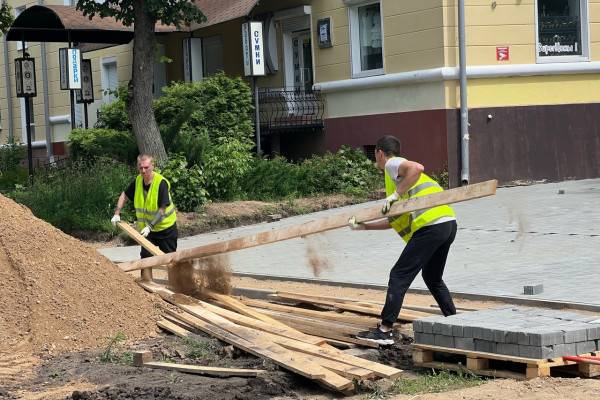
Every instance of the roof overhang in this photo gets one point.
(55, 23)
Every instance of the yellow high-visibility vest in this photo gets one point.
(147, 207)
(407, 224)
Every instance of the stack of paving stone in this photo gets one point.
(514, 331)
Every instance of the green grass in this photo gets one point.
(109, 355)
(435, 382)
(196, 350)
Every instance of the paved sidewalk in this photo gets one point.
(523, 235)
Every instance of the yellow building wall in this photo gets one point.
(413, 37)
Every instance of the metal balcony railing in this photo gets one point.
(290, 109)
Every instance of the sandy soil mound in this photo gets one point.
(58, 294)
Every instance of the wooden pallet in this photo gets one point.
(497, 365)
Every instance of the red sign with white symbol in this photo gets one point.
(502, 54)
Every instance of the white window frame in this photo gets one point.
(357, 71)
(585, 38)
(104, 79)
(18, 11)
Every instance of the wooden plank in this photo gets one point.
(243, 309)
(421, 356)
(173, 328)
(346, 370)
(375, 311)
(480, 354)
(135, 235)
(476, 364)
(194, 306)
(251, 342)
(338, 327)
(330, 334)
(209, 371)
(340, 220)
(358, 320)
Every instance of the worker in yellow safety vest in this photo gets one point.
(154, 208)
(428, 235)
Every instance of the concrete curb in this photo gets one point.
(459, 295)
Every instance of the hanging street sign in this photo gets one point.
(86, 94)
(25, 77)
(70, 68)
(253, 48)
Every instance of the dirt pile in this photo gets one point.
(58, 294)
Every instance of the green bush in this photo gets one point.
(191, 116)
(79, 197)
(114, 115)
(271, 179)
(11, 171)
(99, 142)
(187, 183)
(226, 163)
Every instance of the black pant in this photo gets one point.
(427, 249)
(166, 240)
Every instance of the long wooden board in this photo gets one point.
(200, 370)
(340, 220)
(151, 247)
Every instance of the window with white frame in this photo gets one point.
(19, 10)
(366, 35)
(562, 30)
(109, 78)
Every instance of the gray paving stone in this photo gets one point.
(427, 326)
(586, 347)
(507, 348)
(464, 343)
(457, 330)
(533, 289)
(575, 334)
(535, 352)
(444, 341)
(485, 346)
(546, 337)
(417, 325)
(593, 332)
(565, 349)
(523, 338)
(424, 338)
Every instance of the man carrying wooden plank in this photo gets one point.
(154, 208)
(428, 235)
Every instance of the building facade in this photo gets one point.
(348, 71)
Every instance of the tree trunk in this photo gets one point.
(141, 114)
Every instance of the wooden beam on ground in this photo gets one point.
(358, 320)
(243, 309)
(340, 220)
(194, 306)
(368, 310)
(144, 359)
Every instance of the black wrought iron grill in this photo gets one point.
(290, 109)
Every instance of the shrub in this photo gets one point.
(187, 183)
(99, 142)
(271, 179)
(193, 115)
(114, 115)
(226, 163)
(79, 197)
(11, 171)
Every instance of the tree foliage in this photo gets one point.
(144, 14)
(169, 12)
(6, 17)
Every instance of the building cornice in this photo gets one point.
(451, 73)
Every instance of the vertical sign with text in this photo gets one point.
(70, 68)
(253, 47)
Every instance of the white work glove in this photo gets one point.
(116, 218)
(391, 199)
(355, 226)
(146, 231)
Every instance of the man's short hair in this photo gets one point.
(389, 144)
(148, 157)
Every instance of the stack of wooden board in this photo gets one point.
(266, 337)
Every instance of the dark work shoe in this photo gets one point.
(377, 336)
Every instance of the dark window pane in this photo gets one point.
(370, 40)
(559, 28)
